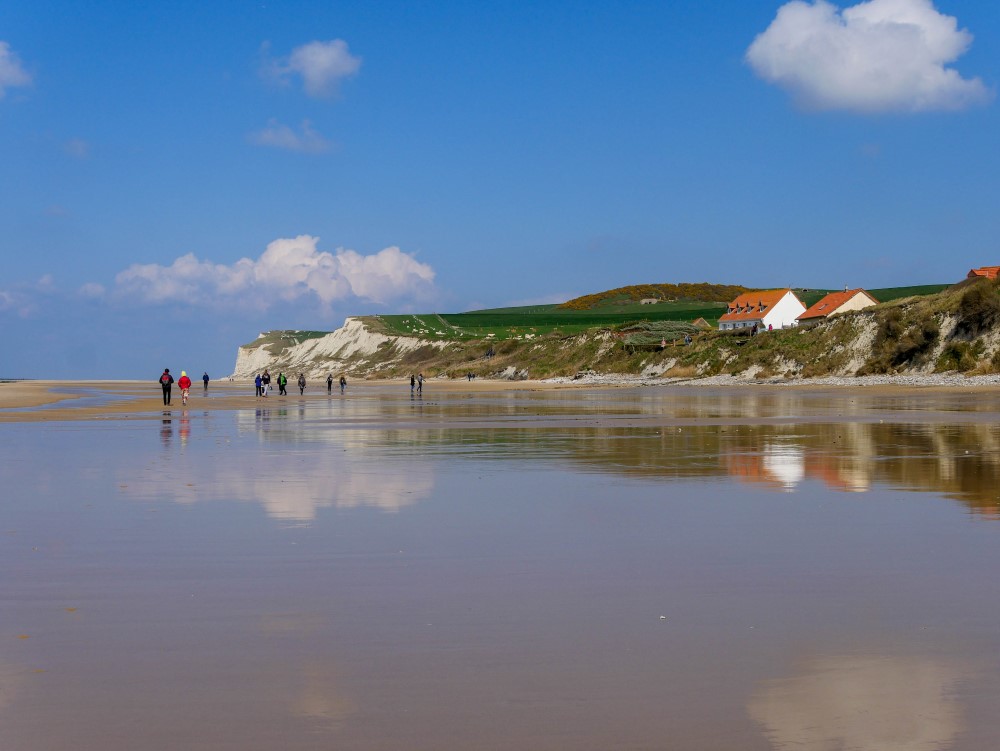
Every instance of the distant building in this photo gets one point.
(986, 272)
(776, 308)
(837, 302)
(701, 323)
(649, 301)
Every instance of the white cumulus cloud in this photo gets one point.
(12, 73)
(876, 56)
(288, 269)
(320, 65)
(281, 136)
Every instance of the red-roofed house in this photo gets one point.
(989, 272)
(775, 308)
(837, 302)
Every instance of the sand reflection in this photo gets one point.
(864, 704)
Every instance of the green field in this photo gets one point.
(537, 320)
(507, 323)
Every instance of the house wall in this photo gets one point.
(736, 325)
(784, 312)
(858, 302)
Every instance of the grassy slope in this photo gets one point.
(902, 343)
(607, 311)
(544, 340)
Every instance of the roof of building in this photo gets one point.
(753, 306)
(829, 304)
(990, 272)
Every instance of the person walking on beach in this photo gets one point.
(204, 379)
(413, 382)
(420, 383)
(166, 381)
(258, 382)
(302, 384)
(282, 382)
(343, 384)
(329, 384)
(265, 381)
(184, 383)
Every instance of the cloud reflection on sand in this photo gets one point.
(299, 495)
(865, 703)
(11, 678)
(314, 691)
(292, 483)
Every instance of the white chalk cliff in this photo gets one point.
(346, 349)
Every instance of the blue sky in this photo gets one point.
(177, 177)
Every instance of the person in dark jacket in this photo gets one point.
(259, 383)
(343, 384)
(302, 384)
(329, 384)
(166, 381)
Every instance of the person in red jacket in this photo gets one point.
(185, 386)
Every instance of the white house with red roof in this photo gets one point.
(837, 302)
(775, 308)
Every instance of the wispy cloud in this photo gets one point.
(77, 147)
(91, 290)
(12, 73)
(23, 299)
(288, 270)
(320, 65)
(876, 56)
(280, 136)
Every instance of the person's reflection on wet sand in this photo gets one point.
(166, 428)
(185, 428)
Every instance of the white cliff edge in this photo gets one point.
(343, 349)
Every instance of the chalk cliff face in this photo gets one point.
(348, 349)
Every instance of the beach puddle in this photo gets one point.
(639, 568)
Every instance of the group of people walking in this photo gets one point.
(329, 384)
(262, 383)
(183, 383)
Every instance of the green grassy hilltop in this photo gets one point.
(619, 307)
(924, 328)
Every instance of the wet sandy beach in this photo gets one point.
(482, 567)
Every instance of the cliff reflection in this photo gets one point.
(863, 703)
(961, 461)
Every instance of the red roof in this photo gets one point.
(753, 306)
(829, 304)
(990, 272)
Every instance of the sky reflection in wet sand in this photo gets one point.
(384, 575)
